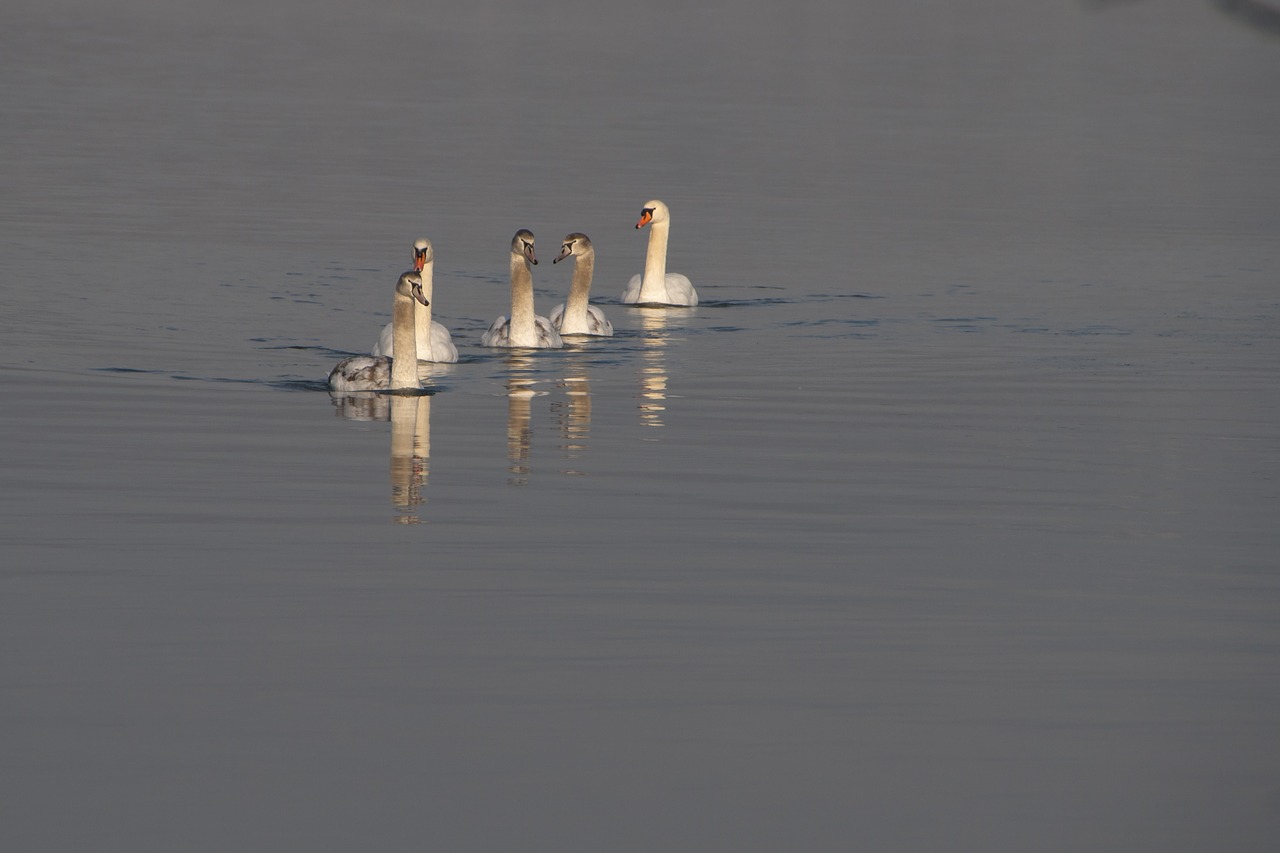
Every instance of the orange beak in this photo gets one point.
(644, 218)
(419, 260)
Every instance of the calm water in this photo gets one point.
(947, 521)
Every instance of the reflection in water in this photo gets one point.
(520, 393)
(361, 405)
(573, 415)
(653, 366)
(410, 455)
(410, 417)
(428, 370)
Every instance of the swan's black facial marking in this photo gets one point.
(415, 284)
(522, 243)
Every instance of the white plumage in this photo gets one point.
(657, 286)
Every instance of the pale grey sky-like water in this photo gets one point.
(947, 520)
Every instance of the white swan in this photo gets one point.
(434, 341)
(377, 372)
(576, 317)
(657, 286)
(525, 328)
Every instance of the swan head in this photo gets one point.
(522, 245)
(410, 284)
(423, 253)
(577, 244)
(653, 211)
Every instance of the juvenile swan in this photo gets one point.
(377, 372)
(434, 342)
(524, 328)
(657, 286)
(576, 317)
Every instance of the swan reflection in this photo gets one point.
(521, 379)
(573, 415)
(375, 406)
(410, 417)
(361, 405)
(655, 336)
(410, 455)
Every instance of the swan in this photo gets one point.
(576, 317)
(378, 372)
(434, 342)
(657, 286)
(525, 328)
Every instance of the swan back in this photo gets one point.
(546, 336)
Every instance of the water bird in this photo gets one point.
(657, 286)
(524, 328)
(576, 316)
(434, 341)
(378, 372)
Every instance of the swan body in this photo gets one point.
(378, 372)
(576, 316)
(434, 341)
(657, 286)
(523, 328)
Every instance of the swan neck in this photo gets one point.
(580, 290)
(523, 331)
(653, 286)
(404, 365)
(422, 313)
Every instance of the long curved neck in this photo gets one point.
(654, 285)
(404, 366)
(575, 307)
(523, 332)
(422, 313)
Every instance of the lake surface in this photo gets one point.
(948, 520)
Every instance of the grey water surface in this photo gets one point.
(949, 520)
